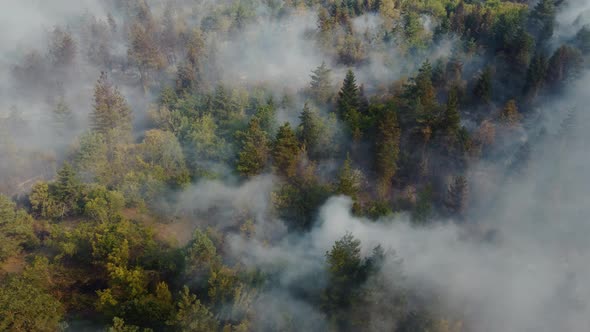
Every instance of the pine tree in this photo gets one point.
(509, 115)
(349, 104)
(423, 97)
(66, 189)
(542, 20)
(457, 196)
(564, 64)
(254, 152)
(387, 150)
(63, 118)
(348, 97)
(349, 179)
(111, 115)
(285, 151)
(483, 86)
(321, 84)
(451, 119)
(310, 130)
(536, 75)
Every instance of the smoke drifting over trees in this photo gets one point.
(175, 165)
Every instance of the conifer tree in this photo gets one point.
(349, 179)
(451, 119)
(387, 150)
(483, 86)
(564, 64)
(254, 153)
(348, 97)
(509, 115)
(63, 118)
(310, 130)
(542, 20)
(536, 75)
(111, 115)
(285, 151)
(349, 103)
(457, 196)
(321, 84)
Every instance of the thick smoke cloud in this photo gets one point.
(521, 264)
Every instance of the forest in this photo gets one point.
(294, 165)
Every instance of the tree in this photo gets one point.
(63, 118)
(345, 268)
(349, 179)
(310, 130)
(16, 229)
(162, 153)
(451, 119)
(201, 256)
(564, 64)
(542, 20)
(66, 189)
(191, 315)
(387, 150)
(321, 84)
(536, 75)
(509, 115)
(348, 97)
(457, 196)
(25, 306)
(111, 116)
(254, 151)
(62, 48)
(285, 152)
(143, 51)
(483, 86)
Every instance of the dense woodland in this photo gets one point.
(98, 232)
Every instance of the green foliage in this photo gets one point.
(111, 115)
(387, 150)
(16, 229)
(191, 315)
(349, 102)
(321, 84)
(285, 151)
(254, 151)
(483, 86)
(27, 306)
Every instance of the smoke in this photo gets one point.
(520, 264)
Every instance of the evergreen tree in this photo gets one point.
(344, 275)
(509, 115)
(536, 75)
(349, 179)
(285, 151)
(565, 64)
(483, 86)
(310, 131)
(63, 118)
(387, 150)
(451, 119)
(424, 89)
(321, 84)
(457, 196)
(111, 115)
(254, 152)
(66, 189)
(542, 20)
(348, 97)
